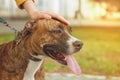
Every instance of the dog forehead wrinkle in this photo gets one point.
(42, 25)
(51, 24)
(48, 25)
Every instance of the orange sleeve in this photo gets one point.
(20, 3)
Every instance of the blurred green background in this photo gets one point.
(99, 55)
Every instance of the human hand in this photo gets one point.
(35, 14)
(47, 15)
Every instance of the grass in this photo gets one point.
(99, 55)
(6, 37)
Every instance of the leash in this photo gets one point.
(17, 33)
(7, 25)
(18, 40)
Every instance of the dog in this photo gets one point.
(23, 58)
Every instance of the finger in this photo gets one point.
(44, 16)
(60, 18)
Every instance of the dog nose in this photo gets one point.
(78, 44)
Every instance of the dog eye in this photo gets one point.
(57, 31)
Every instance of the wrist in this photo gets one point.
(29, 7)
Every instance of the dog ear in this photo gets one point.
(28, 27)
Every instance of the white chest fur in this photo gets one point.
(31, 70)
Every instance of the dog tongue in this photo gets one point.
(73, 65)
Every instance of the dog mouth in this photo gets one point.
(55, 54)
(61, 56)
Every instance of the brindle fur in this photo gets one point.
(36, 33)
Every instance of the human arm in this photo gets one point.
(29, 6)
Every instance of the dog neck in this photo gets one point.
(29, 55)
(24, 44)
(35, 62)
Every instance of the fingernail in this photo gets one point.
(68, 23)
(49, 17)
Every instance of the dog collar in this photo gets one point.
(21, 47)
(33, 58)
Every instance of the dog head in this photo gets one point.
(53, 39)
